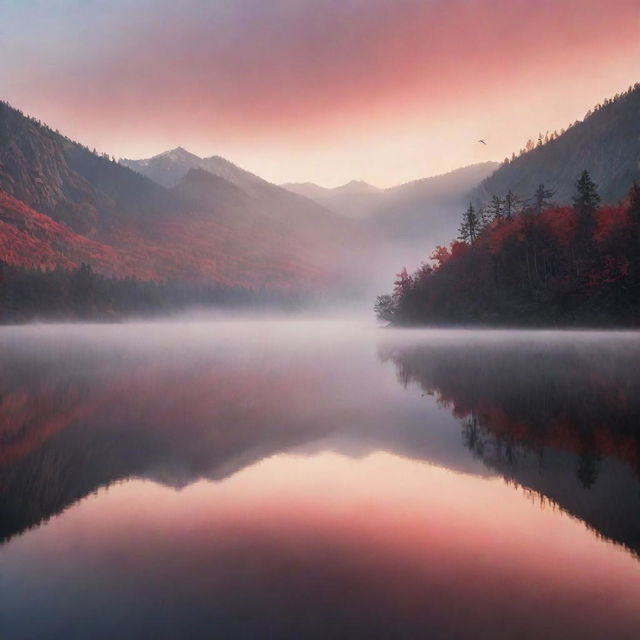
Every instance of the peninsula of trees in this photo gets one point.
(530, 263)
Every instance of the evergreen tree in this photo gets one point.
(470, 225)
(586, 199)
(485, 217)
(542, 198)
(402, 285)
(511, 205)
(535, 269)
(495, 208)
(585, 202)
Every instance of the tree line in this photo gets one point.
(50, 294)
(530, 262)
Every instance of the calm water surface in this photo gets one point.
(295, 479)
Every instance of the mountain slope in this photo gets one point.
(356, 199)
(170, 167)
(425, 208)
(278, 228)
(430, 206)
(295, 210)
(307, 189)
(606, 143)
(31, 238)
(64, 180)
(206, 191)
(68, 205)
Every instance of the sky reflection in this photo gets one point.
(298, 546)
(317, 479)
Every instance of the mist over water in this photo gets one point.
(288, 477)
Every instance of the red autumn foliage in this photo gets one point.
(29, 238)
(440, 256)
(560, 222)
(458, 249)
(194, 248)
(610, 223)
(563, 264)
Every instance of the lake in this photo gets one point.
(318, 479)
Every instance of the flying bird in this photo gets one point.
(483, 141)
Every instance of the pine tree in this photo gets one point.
(495, 208)
(485, 218)
(402, 285)
(511, 205)
(542, 198)
(470, 226)
(585, 202)
(586, 199)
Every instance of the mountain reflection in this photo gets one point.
(557, 416)
(75, 417)
(85, 408)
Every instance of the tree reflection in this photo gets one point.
(560, 417)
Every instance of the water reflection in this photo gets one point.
(84, 407)
(343, 504)
(557, 413)
(383, 547)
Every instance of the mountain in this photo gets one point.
(354, 199)
(30, 237)
(204, 190)
(426, 211)
(408, 220)
(315, 191)
(168, 168)
(61, 204)
(67, 182)
(307, 189)
(606, 143)
(207, 183)
(430, 206)
(425, 208)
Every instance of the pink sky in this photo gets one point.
(319, 90)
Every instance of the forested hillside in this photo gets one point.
(551, 237)
(541, 265)
(62, 205)
(606, 143)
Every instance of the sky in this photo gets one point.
(325, 91)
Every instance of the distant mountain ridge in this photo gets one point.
(312, 190)
(169, 167)
(417, 207)
(353, 199)
(606, 143)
